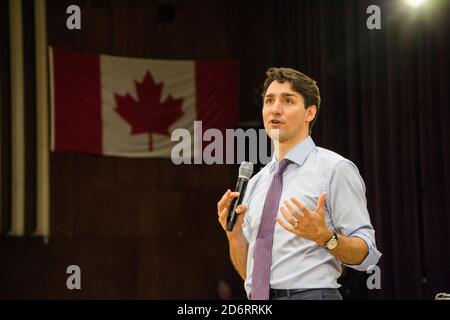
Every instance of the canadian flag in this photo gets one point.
(129, 106)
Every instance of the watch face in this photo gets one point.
(332, 243)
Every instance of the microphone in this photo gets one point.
(245, 172)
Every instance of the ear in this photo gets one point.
(311, 112)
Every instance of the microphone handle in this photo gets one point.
(241, 186)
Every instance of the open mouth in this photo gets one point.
(275, 121)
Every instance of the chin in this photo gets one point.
(276, 135)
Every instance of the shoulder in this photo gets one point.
(327, 156)
(334, 163)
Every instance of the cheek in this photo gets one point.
(295, 117)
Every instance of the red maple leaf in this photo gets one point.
(148, 114)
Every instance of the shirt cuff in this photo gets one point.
(372, 256)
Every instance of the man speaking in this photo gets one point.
(305, 213)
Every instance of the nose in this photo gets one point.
(275, 108)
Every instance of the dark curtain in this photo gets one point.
(124, 220)
(384, 107)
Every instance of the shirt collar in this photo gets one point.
(297, 154)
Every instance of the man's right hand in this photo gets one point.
(223, 207)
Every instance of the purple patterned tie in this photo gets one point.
(262, 255)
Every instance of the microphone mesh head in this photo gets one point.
(246, 170)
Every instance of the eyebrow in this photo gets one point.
(283, 94)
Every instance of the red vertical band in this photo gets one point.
(77, 101)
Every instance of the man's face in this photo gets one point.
(284, 114)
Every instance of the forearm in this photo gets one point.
(350, 250)
(238, 253)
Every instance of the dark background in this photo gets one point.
(147, 229)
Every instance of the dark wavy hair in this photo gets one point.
(300, 83)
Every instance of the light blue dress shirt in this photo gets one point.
(298, 263)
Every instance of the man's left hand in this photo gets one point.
(307, 224)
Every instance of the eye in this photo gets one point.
(268, 100)
(289, 101)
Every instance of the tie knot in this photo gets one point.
(281, 166)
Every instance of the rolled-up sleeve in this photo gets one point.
(347, 206)
(372, 256)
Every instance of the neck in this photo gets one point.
(282, 148)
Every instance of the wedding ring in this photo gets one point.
(295, 224)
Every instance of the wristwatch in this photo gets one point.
(332, 243)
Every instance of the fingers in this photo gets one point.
(321, 202)
(319, 208)
(223, 215)
(293, 217)
(226, 199)
(303, 209)
(286, 214)
(240, 209)
(288, 227)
